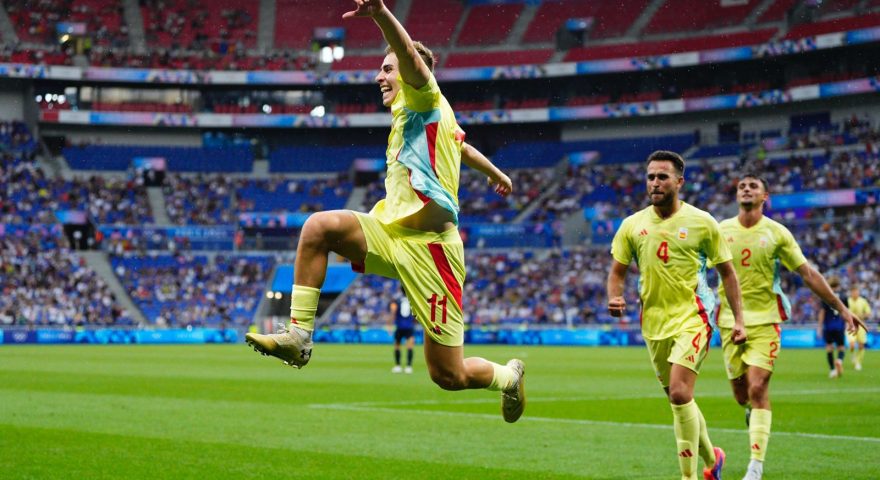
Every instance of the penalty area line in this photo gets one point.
(570, 421)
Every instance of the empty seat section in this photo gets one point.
(320, 159)
(179, 159)
(488, 24)
(611, 19)
(488, 59)
(777, 11)
(661, 47)
(433, 21)
(831, 26)
(682, 15)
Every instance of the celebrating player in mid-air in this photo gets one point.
(759, 246)
(671, 242)
(412, 234)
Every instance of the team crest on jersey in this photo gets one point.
(683, 233)
(763, 242)
(730, 239)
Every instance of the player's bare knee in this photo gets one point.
(319, 228)
(680, 394)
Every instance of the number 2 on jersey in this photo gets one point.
(663, 252)
(747, 254)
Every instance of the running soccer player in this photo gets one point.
(832, 323)
(860, 308)
(759, 246)
(671, 243)
(404, 329)
(410, 235)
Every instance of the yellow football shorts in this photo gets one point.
(760, 350)
(860, 337)
(430, 267)
(688, 348)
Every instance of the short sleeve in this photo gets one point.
(621, 247)
(422, 99)
(716, 249)
(790, 253)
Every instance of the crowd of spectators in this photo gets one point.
(44, 283)
(199, 200)
(184, 290)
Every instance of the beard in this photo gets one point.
(665, 200)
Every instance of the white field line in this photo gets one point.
(571, 421)
(389, 408)
(582, 398)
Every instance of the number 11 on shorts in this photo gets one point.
(437, 303)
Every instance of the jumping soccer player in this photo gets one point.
(671, 243)
(412, 234)
(759, 246)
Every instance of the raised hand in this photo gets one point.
(365, 8)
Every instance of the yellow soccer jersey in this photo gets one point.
(423, 156)
(758, 253)
(859, 307)
(671, 255)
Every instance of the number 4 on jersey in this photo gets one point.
(663, 252)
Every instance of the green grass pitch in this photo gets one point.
(222, 411)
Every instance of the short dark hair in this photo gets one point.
(668, 156)
(757, 176)
(424, 52)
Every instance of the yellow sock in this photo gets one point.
(759, 432)
(503, 377)
(860, 356)
(707, 450)
(304, 306)
(686, 423)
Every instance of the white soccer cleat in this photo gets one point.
(408, 369)
(832, 374)
(858, 367)
(293, 345)
(755, 471)
(513, 399)
(396, 369)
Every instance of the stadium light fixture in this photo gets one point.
(277, 295)
(269, 295)
(318, 111)
(326, 55)
(267, 108)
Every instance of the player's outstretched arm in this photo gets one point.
(616, 279)
(412, 68)
(473, 158)
(734, 298)
(817, 283)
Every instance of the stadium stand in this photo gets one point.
(678, 15)
(45, 284)
(179, 159)
(185, 290)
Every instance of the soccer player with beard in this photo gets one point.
(411, 234)
(672, 243)
(760, 246)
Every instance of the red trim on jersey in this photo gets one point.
(705, 316)
(778, 329)
(424, 198)
(445, 270)
(431, 134)
(781, 308)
